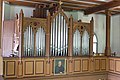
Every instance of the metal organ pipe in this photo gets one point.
(64, 37)
(51, 39)
(28, 41)
(40, 42)
(43, 42)
(59, 36)
(53, 35)
(31, 41)
(56, 33)
(38, 48)
(85, 43)
(79, 40)
(37, 44)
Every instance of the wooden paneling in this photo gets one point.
(85, 65)
(114, 65)
(103, 64)
(34, 67)
(70, 66)
(77, 65)
(4, 68)
(20, 69)
(117, 66)
(97, 65)
(100, 64)
(39, 67)
(29, 68)
(10, 68)
(111, 65)
(45, 67)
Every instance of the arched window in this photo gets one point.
(95, 44)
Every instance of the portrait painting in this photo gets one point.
(59, 66)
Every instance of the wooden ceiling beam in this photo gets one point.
(74, 5)
(94, 1)
(77, 2)
(105, 6)
(44, 1)
(20, 3)
(25, 3)
(72, 8)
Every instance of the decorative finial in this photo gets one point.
(60, 2)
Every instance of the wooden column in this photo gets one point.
(21, 50)
(48, 45)
(70, 46)
(21, 36)
(108, 22)
(91, 36)
(48, 36)
(1, 59)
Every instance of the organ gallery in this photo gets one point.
(53, 44)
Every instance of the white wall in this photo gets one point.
(7, 11)
(115, 34)
(28, 11)
(11, 10)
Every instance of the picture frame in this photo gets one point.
(59, 66)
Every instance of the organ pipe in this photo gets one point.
(40, 42)
(85, 43)
(76, 43)
(28, 42)
(59, 36)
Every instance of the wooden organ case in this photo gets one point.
(42, 41)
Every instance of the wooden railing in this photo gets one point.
(29, 67)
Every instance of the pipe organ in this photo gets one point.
(69, 41)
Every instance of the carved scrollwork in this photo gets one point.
(35, 23)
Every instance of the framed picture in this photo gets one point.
(59, 66)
